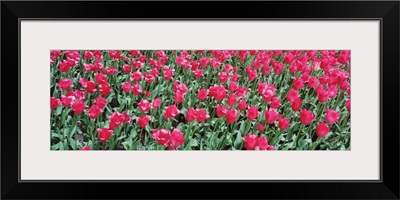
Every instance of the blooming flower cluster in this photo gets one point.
(200, 99)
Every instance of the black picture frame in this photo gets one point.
(385, 11)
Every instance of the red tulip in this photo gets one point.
(168, 73)
(262, 143)
(296, 104)
(348, 104)
(305, 77)
(332, 91)
(231, 100)
(332, 116)
(83, 82)
(126, 86)
(54, 103)
(116, 119)
(64, 66)
(104, 89)
(275, 102)
(78, 107)
(250, 142)
(143, 120)
(252, 112)
(288, 58)
(156, 103)
(260, 127)
(266, 70)
(162, 136)
(137, 89)
(147, 94)
(104, 134)
(235, 77)
(179, 97)
(223, 77)
(241, 91)
(86, 148)
(67, 100)
(292, 95)
(324, 79)
(283, 123)
(65, 84)
(79, 95)
(91, 87)
(201, 115)
(270, 148)
(312, 82)
(242, 105)
(126, 68)
(136, 76)
(155, 72)
(176, 138)
(306, 116)
(94, 111)
(144, 105)
(137, 64)
(271, 115)
(203, 61)
(198, 73)
(344, 85)
(179, 87)
(191, 114)
(322, 129)
(228, 68)
(195, 64)
(170, 111)
(231, 115)
(111, 70)
(233, 86)
(221, 110)
(278, 68)
(219, 93)
(298, 83)
(125, 117)
(100, 78)
(202, 94)
(323, 95)
(215, 63)
(100, 102)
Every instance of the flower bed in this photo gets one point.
(200, 100)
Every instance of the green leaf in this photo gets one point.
(238, 141)
(56, 146)
(73, 144)
(58, 110)
(133, 133)
(127, 144)
(303, 143)
(194, 143)
(156, 91)
(54, 134)
(73, 130)
(120, 138)
(242, 128)
(61, 146)
(55, 93)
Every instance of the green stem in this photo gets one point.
(345, 120)
(298, 135)
(316, 143)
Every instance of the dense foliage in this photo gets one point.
(200, 100)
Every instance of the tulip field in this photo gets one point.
(200, 100)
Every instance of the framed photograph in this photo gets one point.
(288, 96)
